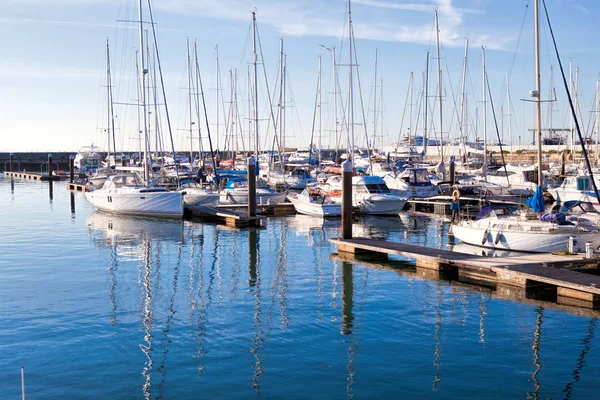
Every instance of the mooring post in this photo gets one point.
(347, 199)
(452, 171)
(22, 383)
(251, 187)
(71, 169)
(50, 164)
(562, 163)
(10, 163)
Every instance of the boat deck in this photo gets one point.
(232, 218)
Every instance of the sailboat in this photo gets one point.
(501, 227)
(128, 193)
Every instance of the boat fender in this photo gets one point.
(498, 238)
(485, 237)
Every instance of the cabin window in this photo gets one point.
(377, 188)
(421, 176)
(583, 184)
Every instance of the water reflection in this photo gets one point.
(51, 191)
(72, 198)
(536, 354)
(587, 345)
(12, 186)
(347, 298)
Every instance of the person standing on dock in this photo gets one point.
(455, 204)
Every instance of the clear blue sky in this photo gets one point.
(52, 68)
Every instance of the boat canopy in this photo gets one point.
(536, 202)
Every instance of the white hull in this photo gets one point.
(380, 205)
(241, 197)
(156, 204)
(540, 242)
(319, 210)
(199, 198)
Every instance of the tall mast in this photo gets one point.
(572, 129)
(143, 72)
(110, 113)
(426, 105)
(597, 119)
(254, 62)
(351, 94)
(320, 115)
(538, 105)
(381, 113)
(410, 110)
(196, 68)
(282, 128)
(375, 99)
(281, 104)
(217, 94)
(484, 105)
(508, 114)
(437, 41)
(189, 68)
(463, 108)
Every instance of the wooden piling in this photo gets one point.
(50, 164)
(347, 199)
(10, 162)
(251, 187)
(71, 169)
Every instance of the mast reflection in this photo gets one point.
(536, 353)
(254, 285)
(587, 345)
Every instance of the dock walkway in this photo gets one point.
(532, 272)
(231, 218)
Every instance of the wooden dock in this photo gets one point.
(278, 209)
(77, 187)
(533, 272)
(231, 218)
(33, 176)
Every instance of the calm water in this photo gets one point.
(102, 307)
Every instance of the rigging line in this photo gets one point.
(455, 110)
(262, 58)
(487, 81)
(562, 71)
(402, 122)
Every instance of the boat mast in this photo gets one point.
(351, 94)
(426, 106)
(508, 101)
(597, 119)
(320, 115)
(254, 62)
(197, 75)
(463, 105)
(437, 41)
(375, 100)
(111, 115)
(143, 72)
(484, 166)
(189, 68)
(217, 94)
(281, 105)
(410, 110)
(538, 105)
(381, 114)
(572, 129)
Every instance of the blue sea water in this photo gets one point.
(101, 307)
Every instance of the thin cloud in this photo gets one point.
(581, 8)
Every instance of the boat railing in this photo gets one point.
(45, 163)
(14, 161)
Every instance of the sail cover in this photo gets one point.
(536, 202)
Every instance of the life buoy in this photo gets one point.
(455, 194)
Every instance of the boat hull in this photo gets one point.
(154, 204)
(319, 210)
(525, 241)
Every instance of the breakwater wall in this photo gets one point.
(35, 162)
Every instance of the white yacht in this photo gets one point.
(519, 180)
(87, 160)
(500, 227)
(370, 195)
(236, 192)
(412, 183)
(315, 201)
(126, 193)
(576, 188)
(194, 195)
